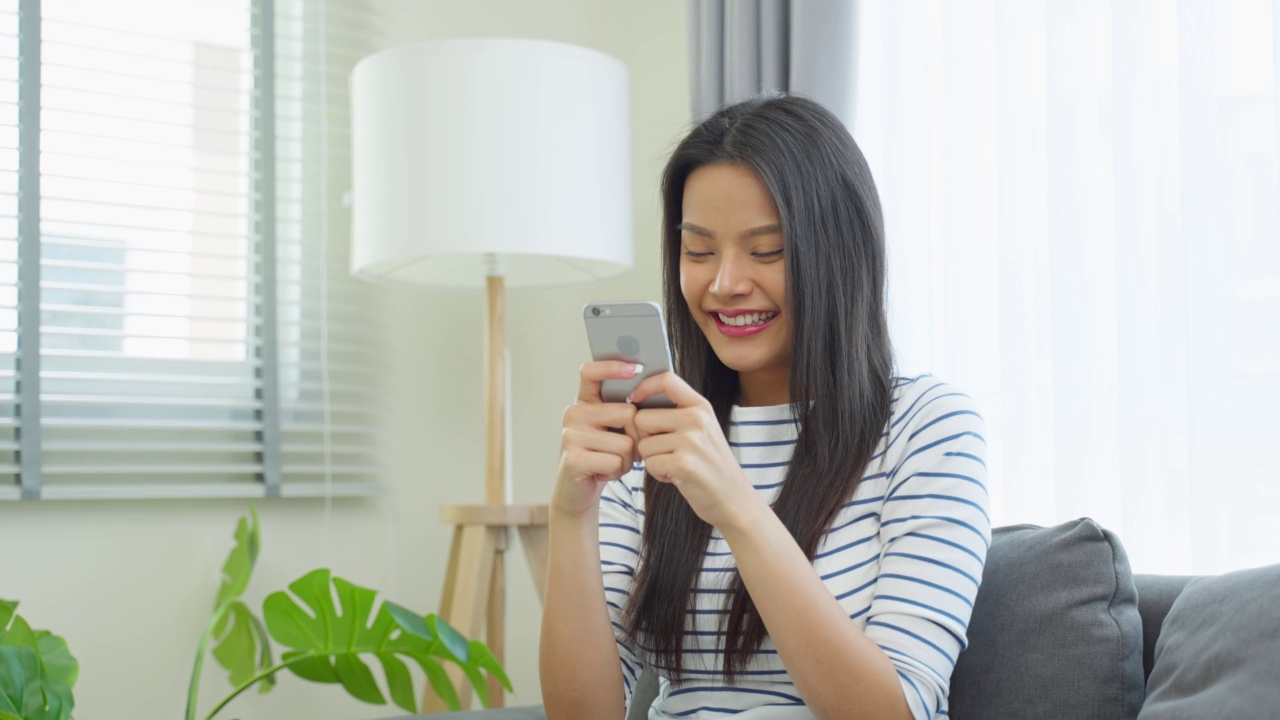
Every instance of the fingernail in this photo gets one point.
(629, 396)
(636, 369)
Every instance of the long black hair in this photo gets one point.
(842, 360)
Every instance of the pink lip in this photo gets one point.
(735, 331)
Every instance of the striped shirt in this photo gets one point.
(903, 558)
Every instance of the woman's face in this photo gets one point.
(733, 275)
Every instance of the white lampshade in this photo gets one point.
(480, 154)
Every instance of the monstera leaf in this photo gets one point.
(328, 640)
(37, 671)
(240, 643)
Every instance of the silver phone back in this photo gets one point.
(631, 332)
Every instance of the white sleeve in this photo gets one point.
(935, 529)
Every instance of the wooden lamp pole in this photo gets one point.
(475, 589)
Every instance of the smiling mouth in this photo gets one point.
(746, 319)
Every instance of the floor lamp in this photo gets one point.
(490, 163)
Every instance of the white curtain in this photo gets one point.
(1083, 217)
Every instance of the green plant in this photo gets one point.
(328, 642)
(37, 670)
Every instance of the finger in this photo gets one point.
(598, 441)
(673, 386)
(591, 374)
(655, 445)
(663, 420)
(603, 466)
(601, 416)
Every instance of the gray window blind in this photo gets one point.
(198, 335)
(8, 248)
(326, 398)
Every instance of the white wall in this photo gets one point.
(129, 584)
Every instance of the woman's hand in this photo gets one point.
(686, 447)
(592, 451)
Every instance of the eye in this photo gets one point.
(694, 255)
(767, 255)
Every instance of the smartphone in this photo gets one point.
(631, 332)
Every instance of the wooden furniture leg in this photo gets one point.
(474, 598)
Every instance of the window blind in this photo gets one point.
(8, 249)
(331, 328)
(197, 332)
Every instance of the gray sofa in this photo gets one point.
(1062, 629)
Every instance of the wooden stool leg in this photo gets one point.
(471, 565)
(495, 630)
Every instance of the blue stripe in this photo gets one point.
(854, 521)
(953, 476)
(759, 466)
(941, 496)
(908, 633)
(939, 563)
(628, 548)
(616, 501)
(923, 705)
(858, 589)
(967, 456)
(621, 527)
(908, 412)
(959, 640)
(771, 443)
(620, 591)
(770, 486)
(628, 568)
(739, 423)
(916, 663)
(864, 501)
(926, 583)
(851, 568)
(937, 539)
(731, 711)
(943, 518)
(939, 419)
(935, 443)
(855, 543)
(735, 690)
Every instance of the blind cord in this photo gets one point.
(323, 46)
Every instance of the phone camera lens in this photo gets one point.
(595, 311)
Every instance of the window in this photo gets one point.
(176, 317)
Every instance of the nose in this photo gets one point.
(733, 277)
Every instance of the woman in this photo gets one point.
(807, 532)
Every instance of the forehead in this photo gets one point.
(725, 192)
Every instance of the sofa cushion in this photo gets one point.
(1055, 631)
(1219, 649)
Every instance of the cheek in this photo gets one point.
(688, 286)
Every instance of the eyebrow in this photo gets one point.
(773, 229)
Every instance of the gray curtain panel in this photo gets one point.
(739, 48)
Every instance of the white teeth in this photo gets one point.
(747, 319)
